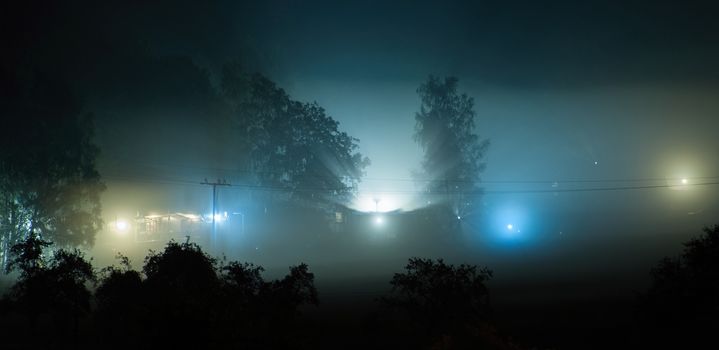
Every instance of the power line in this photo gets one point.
(150, 180)
(553, 181)
(214, 185)
(420, 192)
(617, 188)
(156, 165)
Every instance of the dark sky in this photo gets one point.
(609, 93)
(562, 44)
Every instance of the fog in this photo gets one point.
(595, 113)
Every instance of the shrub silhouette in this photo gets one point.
(681, 307)
(50, 294)
(187, 298)
(440, 299)
(121, 312)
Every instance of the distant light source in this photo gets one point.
(378, 220)
(377, 204)
(121, 225)
(511, 223)
(459, 217)
(218, 217)
(685, 181)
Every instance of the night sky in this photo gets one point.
(595, 111)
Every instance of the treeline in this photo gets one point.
(182, 297)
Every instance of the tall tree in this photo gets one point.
(49, 186)
(293, 146)
(453, 152)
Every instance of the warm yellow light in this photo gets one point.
(121, 225)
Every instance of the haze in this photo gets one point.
(601, 118)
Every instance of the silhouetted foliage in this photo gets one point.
(681, 308)
(120, 312)
(210, 304)
(26, 256)
(453, 153)
(440, 298)
(242, 280)
(293, 146)
(242, 284)
(434, 305)
(276, 309)
(54, 290)
(285, 296)
(49, 185)
(185, 298)
(180, 290)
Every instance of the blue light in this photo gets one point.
(508, 223)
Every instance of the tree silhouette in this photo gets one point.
(276, 310)
(440, 298)
(681, 308)
(242, 280)
(285, 296)
(54, 288)
(121, 313)
(183, 297)
(293, 146)
(186, 292)
(49, 185)
(180, 291)
(242, 284)
(27, 256)
(445, 129)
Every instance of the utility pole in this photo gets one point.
(223, 182)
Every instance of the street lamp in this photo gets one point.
(121, 226)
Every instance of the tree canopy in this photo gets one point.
(53, 288)
(224, 302)
(440, 297)
(453, 152)
(49, 185)
(293, 146)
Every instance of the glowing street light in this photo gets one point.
(378, 220)
(218, 217)
(685, 181)
(510, 227)
(121, 225)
